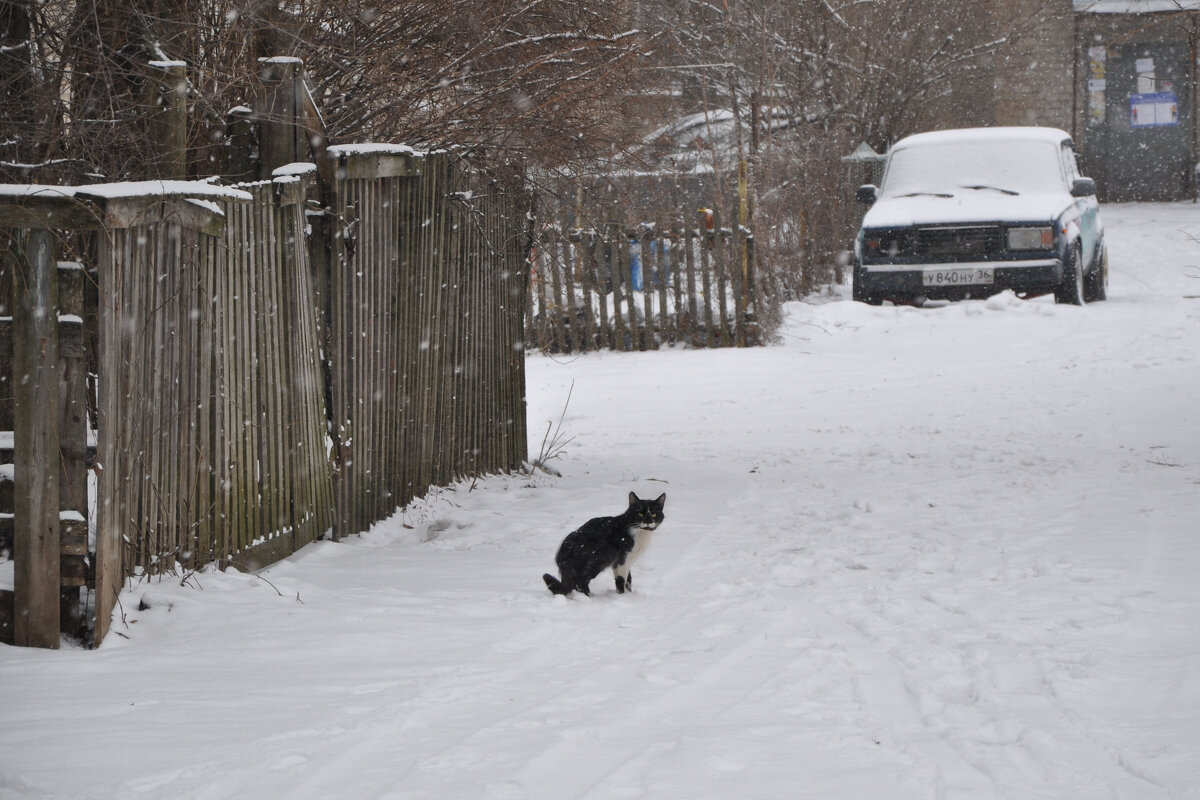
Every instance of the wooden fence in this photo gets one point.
(641, 288)
(258, 387)
(426, 360)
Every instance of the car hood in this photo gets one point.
(966, 205)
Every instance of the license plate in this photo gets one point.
(959, 277)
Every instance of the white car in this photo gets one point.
(969, 213)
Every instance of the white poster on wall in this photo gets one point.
(1154, 110)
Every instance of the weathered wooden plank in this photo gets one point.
(441, 474)
(73, 428)
(111, 510)
(577, 315)
(466, 240)
(721, 268)
(6, 616)
(595, 326)
(408, 341)
(679, 245)
(48, 208)
(282, 139)
(36, 440)
(365, 165)
(156, 543)
(74, 534)
(649, 263)
(662, 276)
(404, 343)
(274, 478)
(691, 245)
(342, 365)
(205, 322)
(166, 92)
(143, 210)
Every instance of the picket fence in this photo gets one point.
(640, 288)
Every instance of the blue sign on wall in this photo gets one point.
(1153, 110)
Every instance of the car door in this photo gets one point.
(1088, 208)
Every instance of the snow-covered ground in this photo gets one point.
(934, 553)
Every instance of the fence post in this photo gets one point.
(167, 102)
(752, 327)
(36, 440)
(281, 139)
(241, 155)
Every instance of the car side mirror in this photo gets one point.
(1083, 187)
(867, 194)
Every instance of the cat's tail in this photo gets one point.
(555, 585)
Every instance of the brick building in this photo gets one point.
(1119, 75)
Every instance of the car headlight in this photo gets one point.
(1030, 238)
(887, 244)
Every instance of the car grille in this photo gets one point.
(960, 243)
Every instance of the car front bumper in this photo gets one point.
(887, 281)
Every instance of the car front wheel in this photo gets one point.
(1096, 282)
(1070, 291)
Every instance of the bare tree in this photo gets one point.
(802, 82)
(536, 78)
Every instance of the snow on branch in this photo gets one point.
(568, 37)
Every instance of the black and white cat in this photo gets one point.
(606, 543)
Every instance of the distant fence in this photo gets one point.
(257, 387)
(641, 288)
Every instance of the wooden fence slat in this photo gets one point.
(36, 441)
(663, 269)
(649, 270)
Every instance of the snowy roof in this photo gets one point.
(1134, 6)
(864, 152)
(1015, 133)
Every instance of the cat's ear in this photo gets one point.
(633, 498)
(661, 501)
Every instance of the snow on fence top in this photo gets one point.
(294, 169)
(1134, 6)
(339, 150)
(161, 189)
(122, 191)
(38, 206)
(26, 190)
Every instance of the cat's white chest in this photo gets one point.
(641, 540)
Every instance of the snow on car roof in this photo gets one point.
(1015, 133)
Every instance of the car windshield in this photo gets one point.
(948, 168)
